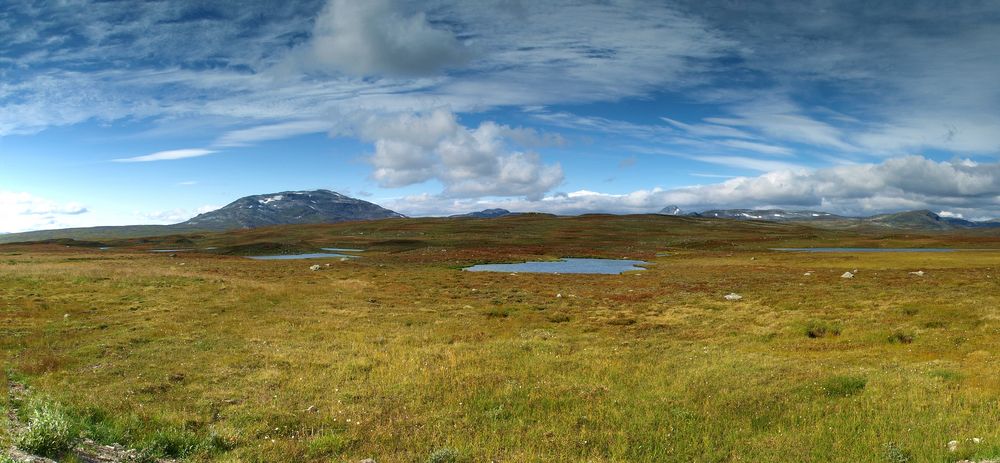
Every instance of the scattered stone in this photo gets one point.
(753, 258)
(312, 409)
(918, 273)
(952, 446)
(315, 268)
(848, 275)
(326, 265)
(976, 440)
(733, 297)
(559, 295)
(807, 274)
(22, 457)
(367, 460)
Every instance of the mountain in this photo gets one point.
(670, 210)
(922, 220)
(485, 214)
(908, 220)
(773, 215)
(287, 208)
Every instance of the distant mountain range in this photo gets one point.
(324, 206)
(284, 208)
(485, 214)
(909, 220)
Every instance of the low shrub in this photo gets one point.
(49, 431)
(558, 318)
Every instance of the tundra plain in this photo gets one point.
(400, 356)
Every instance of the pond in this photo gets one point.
(865, 249)
(566, 265)
(317, 255)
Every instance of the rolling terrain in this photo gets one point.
(399, 355)
(284, 208)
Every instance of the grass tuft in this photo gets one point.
(822, 328)
(901, 337)
(895, 454)
(443, 455)
(498, 313)
(843, 386)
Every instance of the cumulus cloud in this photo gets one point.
(911, 182)
(20, 211)
(414, 148)
(376, 37)
(171, 216)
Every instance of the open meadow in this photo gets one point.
(400, 356)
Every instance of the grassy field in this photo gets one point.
(402, 357)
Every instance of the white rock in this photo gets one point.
(559, 295)
(315, 267)
(847, 275)
(918, 273)
(953, 446)
(807, 274)
(733, 297)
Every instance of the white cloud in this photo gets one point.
(21, 211)
(376, 37)
(911, 182)
(412, 149)
(783, 120)
(171, 216)
(245, 137)
(169, 155)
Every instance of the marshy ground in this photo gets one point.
(401, 356)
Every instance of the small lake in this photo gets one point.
(318, 255)
(865, 249)
(567, 265)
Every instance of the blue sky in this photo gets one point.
(117, 112)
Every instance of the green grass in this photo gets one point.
(399, 355)
(48, 431)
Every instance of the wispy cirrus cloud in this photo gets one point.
(169, 155)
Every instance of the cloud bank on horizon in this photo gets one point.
(563, 106)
